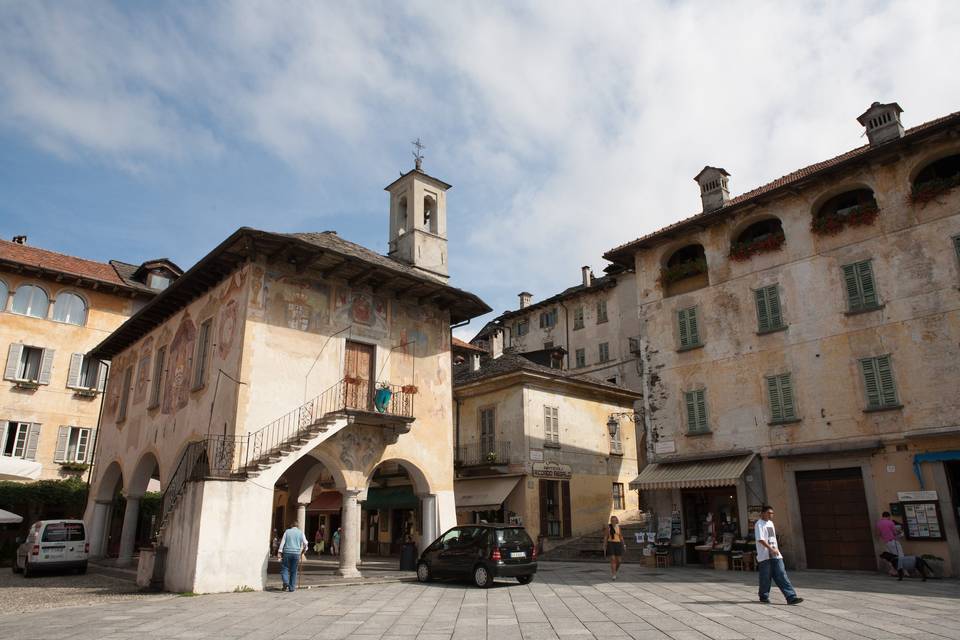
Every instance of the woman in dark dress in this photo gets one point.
(613, 546)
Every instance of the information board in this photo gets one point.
(922, 521)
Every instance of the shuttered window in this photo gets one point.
(28, 364)
(616, 443)
(769, 316)
(157, 379)
(860, 285)
(488, 431)
(551, 426)
(696, 411)
(689, 328)
(74, 444)
(618, 502)
(601, 311)
(548, 319)
(125, 394)
(783, 407)
(85, 373)
(13, 439)
(578, 318)
(523, 327)
(581, 358)
(604, 351)
(878, 383)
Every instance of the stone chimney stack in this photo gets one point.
(882, 122)
(496, 344)
(587, 276)
(525, 299)
(713, 188)
(474, 362)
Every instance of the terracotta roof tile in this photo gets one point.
(13, 252)
(790, 178)
(460, 344)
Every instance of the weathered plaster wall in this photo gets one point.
(508, 404)
(54, 405)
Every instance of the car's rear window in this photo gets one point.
(513, 536)
(63, 532)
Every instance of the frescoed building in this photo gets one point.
(53, 309)
(286, 377)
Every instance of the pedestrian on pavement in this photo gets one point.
(613, 546)
(888, 534)
(318, 540)
(336, 541)
(770, 560)
(292, 545)
(274, 543)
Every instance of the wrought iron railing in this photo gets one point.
(481, 453)
(227, 456)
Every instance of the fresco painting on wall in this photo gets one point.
(298, 304)
(143, 372)
(177, 386)
(228, 329)
(364, 311)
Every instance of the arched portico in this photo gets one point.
(110, 485)
(400, 506)
(147, 469)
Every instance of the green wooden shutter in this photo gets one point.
(870, 382)
(696, 411)
(692, 326)
(776, 400)
(684, 332)
(691, 411)
(763, 314)
(773, 307)
(867, 288)
(888, 391)
(701, 411)
(854, 299)
(786, 396)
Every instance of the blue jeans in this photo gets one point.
(288, 570)
(773, 568)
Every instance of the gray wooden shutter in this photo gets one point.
(776, 400)
(32, 440)
(3, 432)
(63, 436)
(90, 446)
(46, 366)
(701, 410)
(73, 375)
(83, 443)
(870, 382)
(854, 299)
(888, 391)
(101, 376)
(867, 288)
(773, 307)
(763, 314)
(13, 361)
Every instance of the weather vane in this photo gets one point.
(418, 154)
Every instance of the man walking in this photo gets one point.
(292, 545)
(770, 560)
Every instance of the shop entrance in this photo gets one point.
(836, 522)
(710, 520)
(555, 508)
(952, 470)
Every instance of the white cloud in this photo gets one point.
(572, 127)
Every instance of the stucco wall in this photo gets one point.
(54, 405)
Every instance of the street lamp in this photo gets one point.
(613, 422)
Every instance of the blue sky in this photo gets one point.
(142, 129)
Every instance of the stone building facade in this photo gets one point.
(284, 375)
(53, 309)
(801, 346)
(542, 447)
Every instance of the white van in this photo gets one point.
(53, 544)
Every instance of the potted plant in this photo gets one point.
(409, 389)
(683, 270)
(381, 400)
(491, 457)
(929, 190)
(742, 251)
(861, 215)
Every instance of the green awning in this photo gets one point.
(390, 498)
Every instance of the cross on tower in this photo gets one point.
(418, 154)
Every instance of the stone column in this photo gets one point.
(428, 509)
(350, 537)
(98, 527)
(128, 535)
(302, 516)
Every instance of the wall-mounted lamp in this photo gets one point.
(613, 422)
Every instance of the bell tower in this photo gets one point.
(418, 220)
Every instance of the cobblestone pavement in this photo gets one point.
(566, 601)
(20, 595)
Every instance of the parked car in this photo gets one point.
(53, 544)
(480, 552)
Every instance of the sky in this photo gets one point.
(134, 130)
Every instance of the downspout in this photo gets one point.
(456, 423)
(566, 327)
(96, 444)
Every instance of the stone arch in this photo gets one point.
(112, 478)
(926, 160)
(305, 492)
(421, 485)
(142, 473)
(838, 190)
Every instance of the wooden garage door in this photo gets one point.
(836, 524)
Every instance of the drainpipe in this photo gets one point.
(96, 444)
(566, 327)
(456, 424)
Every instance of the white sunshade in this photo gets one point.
(19, 469)
(483, 493)
(9, 518)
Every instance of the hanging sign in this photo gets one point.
(909, 496)
(551, 470)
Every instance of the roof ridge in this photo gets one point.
(30, 247)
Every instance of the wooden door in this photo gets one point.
(358, 372)
(836, 523)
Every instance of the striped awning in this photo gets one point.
(715, 472)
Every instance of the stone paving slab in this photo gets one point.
(567, 601)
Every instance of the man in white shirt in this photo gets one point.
(770, 560)
(292, 545)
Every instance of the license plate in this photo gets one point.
(518, 554)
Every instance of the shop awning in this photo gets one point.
(19, 469)
(716, 472)
(483, 493)
(326, 501)
(391, 498)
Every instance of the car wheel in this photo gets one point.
(26, 569)
(16, 567)
(482, 577)
(423, 572)
(82, 569)
(525, 579)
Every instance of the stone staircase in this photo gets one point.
(589, 547)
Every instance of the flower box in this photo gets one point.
(862, 215)
(28, 385)
(929, 190)
(682, 271)
(743, 251)
(409, 388)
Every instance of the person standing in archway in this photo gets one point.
(292, 545)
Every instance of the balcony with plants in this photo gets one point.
(936, 179)
(765, 236)
(685, 270)
(855, 208)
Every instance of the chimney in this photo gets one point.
(713, 188)
(587, 276)
(496, 344)
(525, 299)
(474, 362)
(20, 239)
(882, 122)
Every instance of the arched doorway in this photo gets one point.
(141, 508)
(393, 512)
(109, 506)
